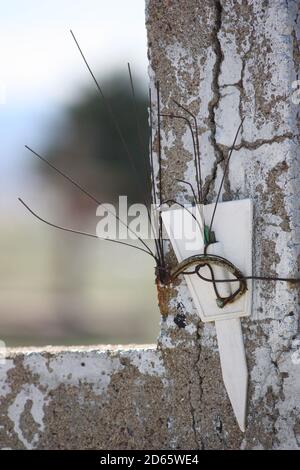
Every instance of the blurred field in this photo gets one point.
(56, 288)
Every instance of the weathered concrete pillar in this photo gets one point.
(228, 60)
(224, 60)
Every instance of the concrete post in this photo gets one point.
(224, 60)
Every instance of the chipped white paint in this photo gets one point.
(177, 54)
(70, 368)
(249, 163)
(32, 395)
(2, 352)
(295, 355)
(148, 362)
(4, 369)
(288, 405)
(228, 105)
(231, 67)
(205, 90)
(191, 328)
(277, 30)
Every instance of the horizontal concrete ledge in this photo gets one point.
(12, 352)
(81, 397)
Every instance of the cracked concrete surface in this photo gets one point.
(225, 60)
(238, 60)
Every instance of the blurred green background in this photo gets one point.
(55, 287)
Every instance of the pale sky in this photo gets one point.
(41, 69)
(37, 53)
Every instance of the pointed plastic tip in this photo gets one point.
(240, 413)
(234, 366)
(242, 425)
